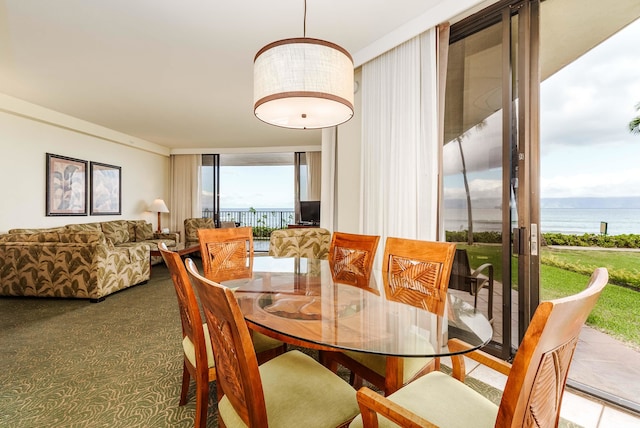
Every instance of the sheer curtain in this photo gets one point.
(314, 175)
(400, 143)
(186, 188)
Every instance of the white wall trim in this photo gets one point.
(237, 150)
(441, 12)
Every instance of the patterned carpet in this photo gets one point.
(118, 363)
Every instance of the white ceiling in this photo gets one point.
(175, 73)
(179, 73)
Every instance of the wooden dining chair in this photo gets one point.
(416, 273)
(291, 390)
(227, 253)
(535, 384)
(198, 361)
(351, 258)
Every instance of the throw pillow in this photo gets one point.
(116, 231)
(144, 231)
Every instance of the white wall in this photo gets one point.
(24, 142)
(348, 166)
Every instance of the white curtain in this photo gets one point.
(327, 200)
(400, 141)
(314, 175)
(185, 190)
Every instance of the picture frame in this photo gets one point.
(106, 189)
(66, 186)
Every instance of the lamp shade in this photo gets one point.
(303, 83)
(159, 206)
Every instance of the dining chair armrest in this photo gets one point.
(457, 345)
(482, 268)
(371, 403)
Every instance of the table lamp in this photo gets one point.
(160, 207)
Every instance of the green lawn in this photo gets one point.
(564, 272)
(617, 312)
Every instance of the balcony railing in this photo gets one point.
(263, 222)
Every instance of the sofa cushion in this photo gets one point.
(135, 251)
(116, 231)
(85, 227)
(51, 229)
(83, 238)
(144, 231)
(31, 237)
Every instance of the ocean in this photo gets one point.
(577, 221)
(572, 221)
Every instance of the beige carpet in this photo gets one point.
(118, 363)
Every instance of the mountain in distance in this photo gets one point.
(592, 202)
(629, 202)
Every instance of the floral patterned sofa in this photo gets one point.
(311, 242)
(86, 261)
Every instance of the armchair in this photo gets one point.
(191, 226)
(311, 242)
(465, 279)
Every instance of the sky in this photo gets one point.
(253, 186)
(586, 148)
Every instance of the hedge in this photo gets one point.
(586, 240)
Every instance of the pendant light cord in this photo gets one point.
(304, 25)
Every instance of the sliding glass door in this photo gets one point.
(489, 176)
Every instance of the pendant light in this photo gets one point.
(303, 83)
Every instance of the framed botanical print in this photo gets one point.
(66, 181)
(106, 194)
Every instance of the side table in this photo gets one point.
(180, 249)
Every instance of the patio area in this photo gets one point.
(601, 365)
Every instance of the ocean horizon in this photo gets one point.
(568, 216)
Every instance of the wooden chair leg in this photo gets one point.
(185, 384)
(356, 381)
(202, 403)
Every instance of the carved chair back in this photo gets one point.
(224, 252)
(351, 258)
(417, 272)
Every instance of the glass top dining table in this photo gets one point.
(297, 301)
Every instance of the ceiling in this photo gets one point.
(178, 74)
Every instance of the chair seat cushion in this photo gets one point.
(264, 343)
(299, 392)
(189, 349)
(442, 400)
(378, 363)
(260, 342)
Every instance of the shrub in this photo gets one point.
(262, 231)
(593, 240)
